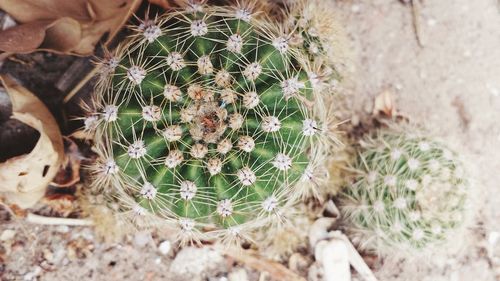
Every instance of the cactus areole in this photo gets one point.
(205, 118)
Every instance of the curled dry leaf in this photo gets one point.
(24, 178)
(385, 104)
(62, 26)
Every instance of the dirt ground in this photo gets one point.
(450, 85)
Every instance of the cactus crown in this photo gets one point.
(205, 119)
(411, 192)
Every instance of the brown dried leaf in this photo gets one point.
(169, 4)
(63, 26)
(24, 178)
(165, 4)
(69, 172)
(385, 104)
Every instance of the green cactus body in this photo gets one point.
(206, 119)
(411, 193)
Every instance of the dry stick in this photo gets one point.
(276, 270)
(32, 218)
(415, 7)
(72, 74)
(80, 84)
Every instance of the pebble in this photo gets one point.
(239, 274)
(431, 22)
(33, 274)
(7, 234)
(165, 247)
(62, 229)
(141, 239)
(355, 120)
(191, 263)
(494, 91)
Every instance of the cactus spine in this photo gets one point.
(207, 119)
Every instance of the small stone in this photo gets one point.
(239, 274)
(48, 255)
(165, 247)
(431, 22)
(355, 8)
(7, 234)
(62, 229)
(191, 263)
(141, 239)
(32, 275)
(355, 120)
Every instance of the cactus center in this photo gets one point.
(209, 122)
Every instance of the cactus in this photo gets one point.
(315, 30)
(206, 119)
(410, 194)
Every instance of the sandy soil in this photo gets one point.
(451, 85)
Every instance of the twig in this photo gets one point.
(81, 84)
(72, 74)
(276, 270)
(32, 218)
(415, 7)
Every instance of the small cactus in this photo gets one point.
(410, 193)
(207, 119)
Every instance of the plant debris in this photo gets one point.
(69, 27)
(25, 178)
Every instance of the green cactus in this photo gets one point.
(315, 30)
(410, 193)
(207, 119)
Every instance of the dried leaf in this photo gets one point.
(62, 26)
(169, 4)
(165, 4)
(69, 172)
(24, 178)
(385, 104)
